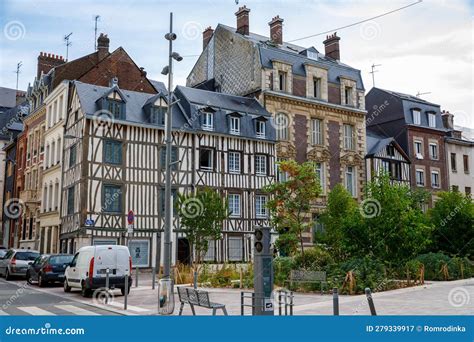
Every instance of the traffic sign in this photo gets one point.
(89, 222)
(130, 217)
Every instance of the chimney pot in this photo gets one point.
(206, 36)
(331, 46)
(243, 20)
(276, 30)
(46, 62)
(103, 46)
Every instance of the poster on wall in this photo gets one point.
(139, 251)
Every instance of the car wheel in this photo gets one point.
(123, 291)
(29, 278)
(67, 288)
(85, 292)
(7, 275)
(41, 282)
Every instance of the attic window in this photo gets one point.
(260, 128)
(158, 115)
(115, 108)
(312, 55)
(416, 116)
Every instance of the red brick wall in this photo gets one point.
(299, 86)
(334, 93)
(301, 141)
(427, 162)
(120, 65)
(334, 149)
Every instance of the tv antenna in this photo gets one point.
(418, 94)
(96, 19)
(68, 43)
(373, 72)
(17, 72)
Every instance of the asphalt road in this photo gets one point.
(17, 297)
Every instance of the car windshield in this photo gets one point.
(26, 256)
(3, 252)
(61, 259)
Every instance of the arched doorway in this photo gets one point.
(184, 251)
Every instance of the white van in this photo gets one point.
(88, 269)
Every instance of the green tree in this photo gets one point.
(388, 225)
(453, 219)
(201, 216)
(291, 202)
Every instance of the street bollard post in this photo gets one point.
(291, 303)
(153, 276)
(370, 300)
(107, 272)
(125, 302)
(136, 276)
(279, 303)
(335, 301)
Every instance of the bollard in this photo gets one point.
(241, 303)
(195, 279)
(279, 302)
(153, 276)
(136, 276)
(291, 303)
(107, 272)
(335, 301)
(286, 303)
(125, 303)
(368, 293)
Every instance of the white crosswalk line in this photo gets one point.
(76, 310)
(3, 313)
(34, 310)
(129, 307)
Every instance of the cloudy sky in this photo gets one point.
(426, 48)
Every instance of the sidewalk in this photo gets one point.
(433, 298)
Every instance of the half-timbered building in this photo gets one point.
(384, 155)
(114, 164)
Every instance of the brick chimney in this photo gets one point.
(102, 46)
(206, 36)
(243, 20)
(276, 30)
(47, 61)
(448, 120)
(331, 46)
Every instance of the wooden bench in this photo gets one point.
(303, 276)
(200, 298)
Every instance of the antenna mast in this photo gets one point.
(96, 19)
(17, 72)
(418, 94)
(373, 72)
(68, 43)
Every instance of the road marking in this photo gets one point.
(33, 310)
(129, 307)
(3, 313)
(76, 310)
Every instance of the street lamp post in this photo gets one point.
(165, 287)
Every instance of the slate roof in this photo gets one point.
(376, 143)
(11, 121)
(7, 97)
(191, 101)
(297, 56)
(401, 106)
(159, 86)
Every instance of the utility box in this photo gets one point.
(263, 272)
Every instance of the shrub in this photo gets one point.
(282, 267)
(434, 263)
(315, 259)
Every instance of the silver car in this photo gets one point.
(16, 262)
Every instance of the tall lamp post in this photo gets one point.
(165, 285)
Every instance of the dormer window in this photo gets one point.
(348, 91)
(158, 115)
(115, 108)
(260, 128)
(416, 116)
(234, 125)
(282, 81)
(432, 119)
(207, 121)
(317, 87)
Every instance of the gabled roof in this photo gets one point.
(11, 121)
(376, 143)
(297, 56)
(159, 86)
(7, 97)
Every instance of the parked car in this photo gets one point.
(88, 269)
(48, 269)
(2, 252)
(16, 262)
